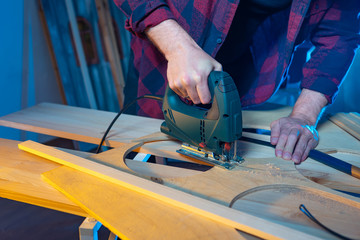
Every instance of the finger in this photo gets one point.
(179, 88)
(176, 90)
(290, 144)
(279, 149)
(300, 148)
(192, 93)
(174, 85)
(307, 142)
(203, 91)
(275, 132)
(311, 145)
(188, 86)
(306, 152)
(314, 138)
(202, 86)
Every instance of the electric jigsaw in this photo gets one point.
(208, 132)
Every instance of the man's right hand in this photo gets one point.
(188, 65)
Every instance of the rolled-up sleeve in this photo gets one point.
(143, 14)
(335, 39)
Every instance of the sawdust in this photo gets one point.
(272, 166)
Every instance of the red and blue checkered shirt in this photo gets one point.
(332, 26)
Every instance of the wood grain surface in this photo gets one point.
(20, 180)
(89, 125)
(223, 186)
(131, 215)
(350, 122)
(213, 211)
(261, 186)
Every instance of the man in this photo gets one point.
(183, 41)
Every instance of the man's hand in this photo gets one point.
(188, 65)
(295, 136)
(293, 139)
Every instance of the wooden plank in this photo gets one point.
(112, 236)
(65, 53)
(88, 125)
(263, 174)
(65, 121)
(350, 122)
(20, 180)
(51, 51)
(111, 49)
(26, 57)
(330, 177)
(216, 212)
(80, 54)
(80, 124)
(355, 115)
(133, 215)
(20, 177)
(88, 229)
(311, 169)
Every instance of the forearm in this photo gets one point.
(309, 106)
(170, 38)
(188, 65)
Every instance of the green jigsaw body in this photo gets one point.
(206, 128)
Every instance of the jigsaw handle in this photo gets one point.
(220, 85)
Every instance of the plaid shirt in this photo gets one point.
(331, 25)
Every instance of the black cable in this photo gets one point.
(312, 218)
(119, 113)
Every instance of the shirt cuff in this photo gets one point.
(148, 15)
(323, 85)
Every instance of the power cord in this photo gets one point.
(157, 98)
(312, 218)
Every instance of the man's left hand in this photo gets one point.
(294, 138)
(295, 135)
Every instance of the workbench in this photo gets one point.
(264, 189)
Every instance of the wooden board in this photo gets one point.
(311, 169)
(20, 177)
(213, 211)
(88, 125)
(350, 122)
(218, 184)
(331, 177)
(80, 124)
(111, 48)
(131, 215)
(193, 181)
(20, 180)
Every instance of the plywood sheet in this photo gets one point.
(80, 124)
(131, 215)
(20, 180)
(254, 176)
(88, 125)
